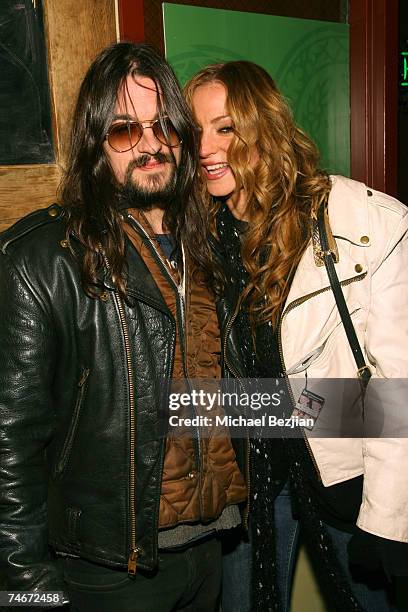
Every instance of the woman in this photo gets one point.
(280, 320)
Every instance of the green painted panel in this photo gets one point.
(308, 59)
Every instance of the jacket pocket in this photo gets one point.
(322, 352)
(69, 439)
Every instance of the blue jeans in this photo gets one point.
(237, 565)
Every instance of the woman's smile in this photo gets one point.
(214, 172)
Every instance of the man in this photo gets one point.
(100, 309)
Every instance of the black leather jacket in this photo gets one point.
(232, 360)
(81, 384)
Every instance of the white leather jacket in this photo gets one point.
(371, 232)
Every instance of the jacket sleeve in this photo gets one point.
(385, 494)
(27, 355)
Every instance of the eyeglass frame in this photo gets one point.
(150, 125)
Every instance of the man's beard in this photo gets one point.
(154, 193)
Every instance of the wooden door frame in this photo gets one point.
(131, 20)
(374, 92)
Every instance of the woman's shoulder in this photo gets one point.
(349, 193)
(366, 217)
(355, 208)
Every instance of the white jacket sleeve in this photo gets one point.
(386, 458)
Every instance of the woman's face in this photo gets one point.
(209, 105)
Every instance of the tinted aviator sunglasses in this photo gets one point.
(124, 136)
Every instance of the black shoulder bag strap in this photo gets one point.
(363, 370)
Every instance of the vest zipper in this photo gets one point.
(134, 550)
(178, 288)
(181, 308)
(289, 308)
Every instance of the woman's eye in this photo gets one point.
(226, 129)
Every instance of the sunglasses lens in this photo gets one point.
(166, 133)
(123, 136)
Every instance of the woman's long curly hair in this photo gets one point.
(282, 190)
(89, 191)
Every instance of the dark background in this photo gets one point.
(25, 110)
(403, 109)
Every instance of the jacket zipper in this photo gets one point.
(224, 347)
(247, 446)
(289, 308)
(66, 450)
(134, 550)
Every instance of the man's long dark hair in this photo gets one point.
(89, 189)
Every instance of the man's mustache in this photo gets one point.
(143, 160)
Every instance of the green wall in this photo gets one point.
(308, 59)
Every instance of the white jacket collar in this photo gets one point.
(348, 214)
(348, 209)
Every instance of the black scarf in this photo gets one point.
(274, 460)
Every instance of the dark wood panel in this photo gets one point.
(25, 110)
(374, 90)
(403, 107)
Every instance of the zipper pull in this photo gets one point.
(85, 374)
(132, 561)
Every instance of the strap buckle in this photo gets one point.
(364, 374)
(365, 368)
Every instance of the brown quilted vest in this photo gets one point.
(192, 492)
